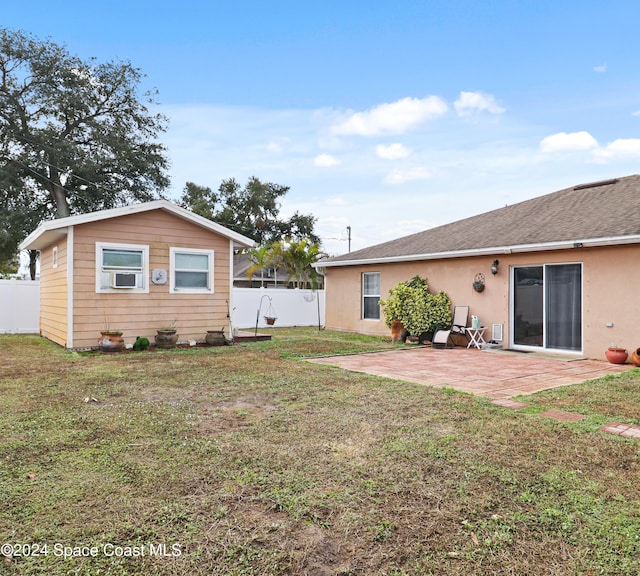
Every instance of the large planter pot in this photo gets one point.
(166, 338)
(635, 357)
(215, 338)
(398, 332)
(110, 341)
(616, 355)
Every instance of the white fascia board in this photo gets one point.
(494, 250)
(49, 230)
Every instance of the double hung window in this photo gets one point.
(191, 271)
(371, 295)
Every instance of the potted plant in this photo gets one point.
(110, 340)
(416, 308)
(616, 355)
(215, 337)
(167, 337)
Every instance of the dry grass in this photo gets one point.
(251, 461)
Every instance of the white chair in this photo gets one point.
(442, 337)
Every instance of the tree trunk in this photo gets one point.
(60, 198)
(33, 258)
(58, 193)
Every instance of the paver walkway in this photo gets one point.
(497, 375)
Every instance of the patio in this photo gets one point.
(496, 374)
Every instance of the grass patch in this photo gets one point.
(247, 460)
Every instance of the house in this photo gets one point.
(560, 272)
(268, 277)
(136, 269)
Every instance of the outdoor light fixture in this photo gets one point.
(494, 267)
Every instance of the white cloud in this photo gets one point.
(621, 148)
(402, 176)
(470, 102)
(326, 161)
(635, 113)
(600, 69)
(277, 145)
(568, 142)
(394, 118)
(392, 151)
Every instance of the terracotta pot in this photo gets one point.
(166, 338)
(398, 332)
(635, 357)
(111, 341)
(616, 355)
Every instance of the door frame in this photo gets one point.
(543, 348)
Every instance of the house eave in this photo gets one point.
(490, 251)
(51, 230)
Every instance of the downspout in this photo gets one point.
(230, 300)
(70, 287)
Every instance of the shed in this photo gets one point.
(560, 272)
(136, 269)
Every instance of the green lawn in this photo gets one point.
(246, 460)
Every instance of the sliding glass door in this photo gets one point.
(547, 306)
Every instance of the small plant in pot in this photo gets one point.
(167, 336)
(111, 340)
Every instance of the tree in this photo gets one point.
(295, 256)
(253, 211)
(419, 311)
(79, 131)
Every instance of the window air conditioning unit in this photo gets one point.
(123, 280)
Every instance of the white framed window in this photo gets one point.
(371, 295)
(121, 267)
(191, 271)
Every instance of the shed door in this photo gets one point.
(547, 306)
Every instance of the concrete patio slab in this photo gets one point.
(483, 373)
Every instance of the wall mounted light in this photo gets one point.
(494, 267)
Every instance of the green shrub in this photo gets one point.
(418, 309)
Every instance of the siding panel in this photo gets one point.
(139, 314)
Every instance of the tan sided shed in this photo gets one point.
(136, 269)
(560, 272)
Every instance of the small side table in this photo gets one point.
(476, 336)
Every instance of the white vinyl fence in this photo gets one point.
(20, 307)
(290, 307)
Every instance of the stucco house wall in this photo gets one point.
(609, 287)
(596, 226)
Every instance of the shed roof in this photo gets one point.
(593, 214)
(51, 230)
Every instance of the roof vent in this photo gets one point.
(595, 184)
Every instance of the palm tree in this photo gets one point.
(297, 257)
(261, 258)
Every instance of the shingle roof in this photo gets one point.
(606, 212)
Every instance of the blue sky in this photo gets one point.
(388, 117)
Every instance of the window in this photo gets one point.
(121, 267)
(371, 295)
(191, 271)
